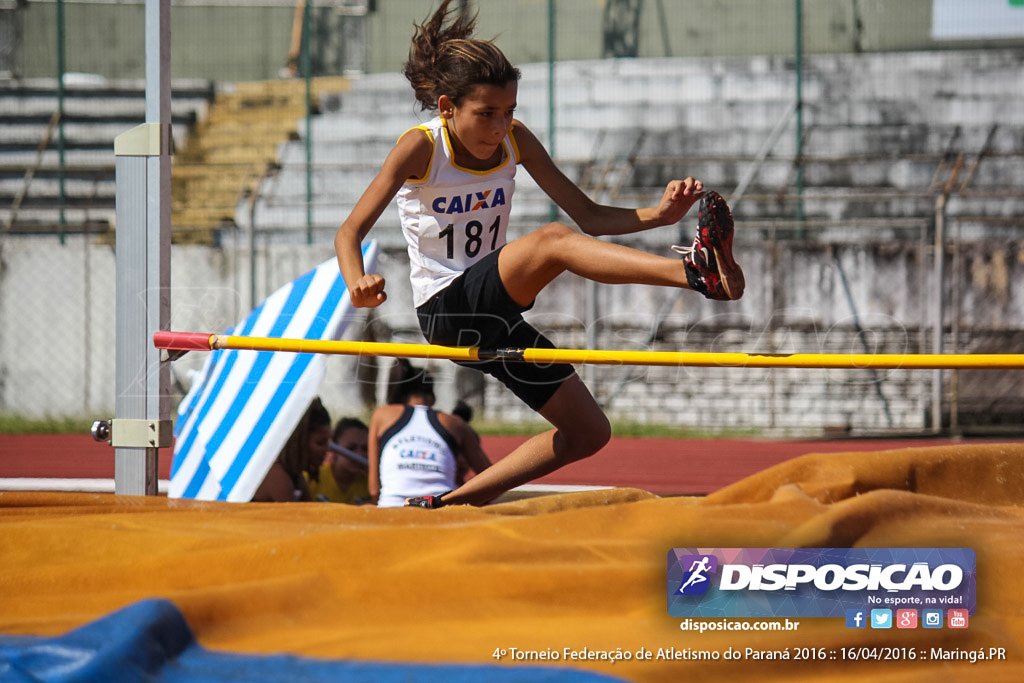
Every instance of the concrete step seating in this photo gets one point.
(235, 146)
(224, 142)
(95, 112)
(880, 134)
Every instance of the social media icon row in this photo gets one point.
(906, 618)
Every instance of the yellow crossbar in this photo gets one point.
(189, 341)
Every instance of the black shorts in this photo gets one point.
(476, 310)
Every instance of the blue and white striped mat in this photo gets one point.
(243, 405)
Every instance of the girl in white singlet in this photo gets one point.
(414, 449)
(454, 178)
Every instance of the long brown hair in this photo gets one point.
(445, 60)
(294, 456)
(406, 380)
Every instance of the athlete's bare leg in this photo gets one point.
(580, 430)
(528, 264)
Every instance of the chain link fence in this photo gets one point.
(834, 127)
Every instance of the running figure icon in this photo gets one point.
(697, 570)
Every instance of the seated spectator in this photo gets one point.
(414, 449)
(300, 458)
(343, 476)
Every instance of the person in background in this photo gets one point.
(414, 449)
(300, 458)
(343, 475)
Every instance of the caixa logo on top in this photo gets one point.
(816, 582)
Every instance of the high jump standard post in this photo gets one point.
(142, 424)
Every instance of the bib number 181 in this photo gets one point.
(474, 237)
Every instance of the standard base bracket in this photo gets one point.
(126, 433)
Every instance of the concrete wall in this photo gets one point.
(215, 43)
(877, 130)
(239, 42)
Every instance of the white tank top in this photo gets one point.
(417, 458)
(453, 216)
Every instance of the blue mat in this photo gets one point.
(151, 641)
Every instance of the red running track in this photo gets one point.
(662, 466)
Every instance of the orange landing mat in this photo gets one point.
(584, 571)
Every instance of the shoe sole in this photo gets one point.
(733, 281)
(729, 271)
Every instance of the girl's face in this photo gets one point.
(318, 439)
(480, 122)
(355, 439)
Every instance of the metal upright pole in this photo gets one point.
(143, 191)
(552, 207)
(938, 305)
(799, 60)
(939, 291)
(307, 72)
(61, 142)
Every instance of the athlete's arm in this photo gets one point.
(377, 426)
(591, 217)
(409, 158)
(469, 444)
(276, 487)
